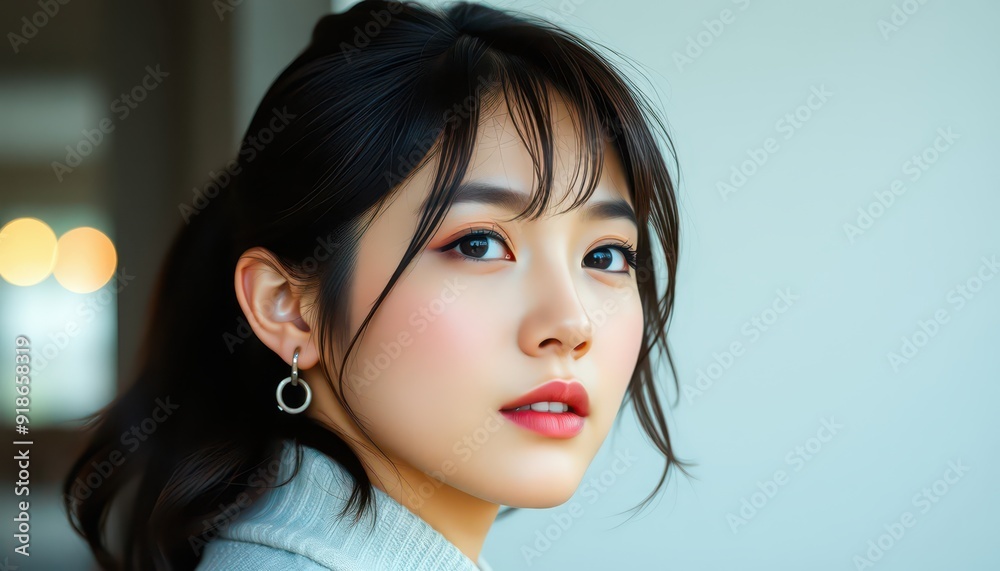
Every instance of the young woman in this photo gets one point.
(423, 290)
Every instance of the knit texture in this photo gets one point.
(295, 527)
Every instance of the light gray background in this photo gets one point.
(826, 356)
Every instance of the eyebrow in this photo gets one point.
(514, 201)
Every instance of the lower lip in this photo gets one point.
(551, 424)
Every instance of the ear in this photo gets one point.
(273, 307)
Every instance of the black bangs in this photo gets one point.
(527, 85)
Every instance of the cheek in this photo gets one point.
(449, 338)
(423, 359)
(618, 345)
(451, 335)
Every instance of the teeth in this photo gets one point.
(545, 407)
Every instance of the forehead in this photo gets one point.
(501, 159)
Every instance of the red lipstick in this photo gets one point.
(557, 423)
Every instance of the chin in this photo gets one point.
(549, 497)
(538, 489)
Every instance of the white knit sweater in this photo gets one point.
(295, 527)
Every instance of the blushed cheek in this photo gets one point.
(436, 387)
(622, 345)
(454, 346)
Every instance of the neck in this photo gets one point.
(461, 518)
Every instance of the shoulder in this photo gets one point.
(231, 555)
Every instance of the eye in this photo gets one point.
(622, 256)
(475, 245)
(484, 245)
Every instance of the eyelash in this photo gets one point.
(627, 250)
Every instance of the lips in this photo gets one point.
(557, 390)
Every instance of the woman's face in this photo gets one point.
(466, 331)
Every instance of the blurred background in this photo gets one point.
(837, 321)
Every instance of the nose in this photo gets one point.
(557, 322)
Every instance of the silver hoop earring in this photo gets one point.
(294, 380)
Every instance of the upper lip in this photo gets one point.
(571, 392)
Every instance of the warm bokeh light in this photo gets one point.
(85, 260)
(27, 251)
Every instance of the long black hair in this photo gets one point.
(381, 89)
